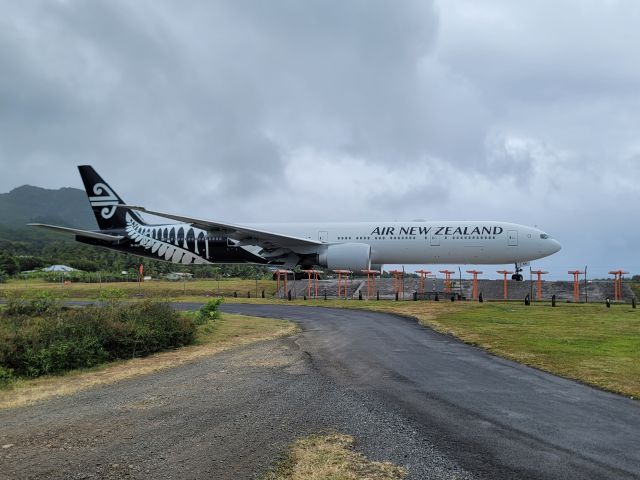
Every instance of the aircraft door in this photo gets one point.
(435, 241)
(323, 236)
(512, 236)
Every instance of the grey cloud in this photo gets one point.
(235, 109)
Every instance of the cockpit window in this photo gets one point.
(544, 236)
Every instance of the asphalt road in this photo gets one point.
(496, 418)
(423, 400)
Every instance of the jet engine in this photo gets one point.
(346, 256)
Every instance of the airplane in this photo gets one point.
(351, 246)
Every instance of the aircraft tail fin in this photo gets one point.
(104, 201)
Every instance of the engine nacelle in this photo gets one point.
(346, 256)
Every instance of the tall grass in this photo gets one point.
(41, 337)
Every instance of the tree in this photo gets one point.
(26, 262)
(8, 264)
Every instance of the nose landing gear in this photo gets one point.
(517, 276)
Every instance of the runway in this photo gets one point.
(498, 418)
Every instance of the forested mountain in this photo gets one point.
(26, 248)
(68, 207)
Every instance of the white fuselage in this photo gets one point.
(464, 242)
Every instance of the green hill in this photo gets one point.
(68, 207)
(25, 248)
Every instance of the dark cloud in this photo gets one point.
(335, 110)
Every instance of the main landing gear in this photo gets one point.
(517, 276)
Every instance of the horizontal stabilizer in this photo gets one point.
(80, 233)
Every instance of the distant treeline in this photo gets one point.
(25, 255)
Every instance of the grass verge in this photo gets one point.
(331, 456)
(231, 331)
(150, 289)
(585, 342)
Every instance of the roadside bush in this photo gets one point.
(209, 311)
(40, 302)
(112, 295)
(6, 376)
(37, 339)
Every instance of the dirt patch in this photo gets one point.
(331, 456)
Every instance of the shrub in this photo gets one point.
(111, 295)
(6, 376)
(41, 302)
(209, 311)
(38, 339)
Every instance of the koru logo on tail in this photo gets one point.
(105, 198)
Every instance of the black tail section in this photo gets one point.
(104, 201)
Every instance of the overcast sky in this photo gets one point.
(338, 110)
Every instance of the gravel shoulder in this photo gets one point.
(227, 416)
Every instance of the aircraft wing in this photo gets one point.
(243, 234)
(81, 233)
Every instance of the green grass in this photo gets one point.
(590, 343)
(150, 289)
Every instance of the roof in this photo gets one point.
(59, 268)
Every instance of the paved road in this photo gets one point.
(225, 417)
(497, 418)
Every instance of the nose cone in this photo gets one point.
(554, 247)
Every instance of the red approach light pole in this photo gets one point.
(398, 284)
(617, 283)
(504, 273)
(371, 281)
(539, 273)
(576, 284)
(422, 280)
(474, 290)
(447, 280)
(316, 275)
(343, 282)
(284, 274)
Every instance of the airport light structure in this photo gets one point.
(539, 273)
(316, 275)
(474, 289)
(343, 282)
(371, 281)
(504, 281)
(284, 274)
(576, 284)
(398, 282)
(422, 281)
(617, 283)
(447, 279)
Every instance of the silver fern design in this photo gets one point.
(105, 198)
(164, 240)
